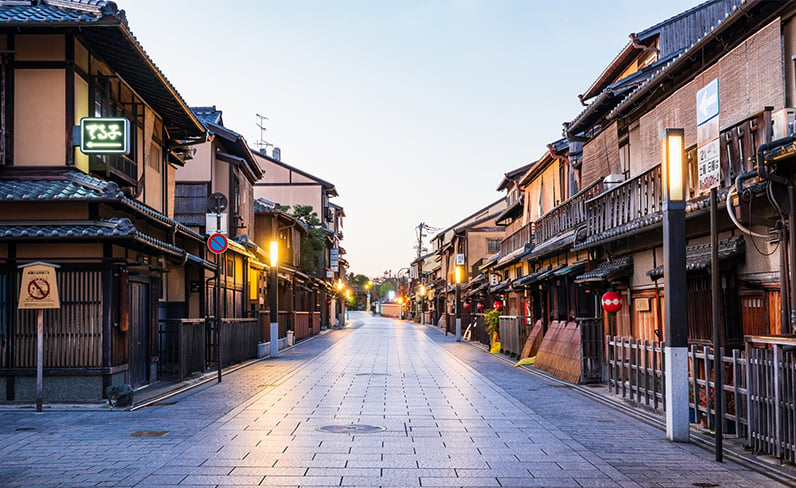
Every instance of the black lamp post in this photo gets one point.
(673, 173)
(274, 255)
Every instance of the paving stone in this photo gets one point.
(454, 416)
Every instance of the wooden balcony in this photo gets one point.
(115, 167)
(566, 216)
(632, 201)
(516, 241)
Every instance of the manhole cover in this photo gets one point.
(149, 433)
(351, 429)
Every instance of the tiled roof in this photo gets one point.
(698, 257)
(102, 229)
(208, 115)
(76, 186)
(607, 270)
(114, 227)
(49, 12)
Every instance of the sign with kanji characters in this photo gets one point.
(39, 288)
(102, 135)
(707, 106)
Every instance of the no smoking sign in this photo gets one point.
(39, 288)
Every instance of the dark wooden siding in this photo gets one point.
(190, 203)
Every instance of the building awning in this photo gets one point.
(608, 271)
(530, 278)
(550, 272)
(499, 287)
(697, 257)
(514, 211)
(571, 269)
(513, 257)
(564, 240)
(115, 229)
(478, 290)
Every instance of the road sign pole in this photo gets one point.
(39, 357)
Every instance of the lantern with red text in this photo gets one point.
(480, 306)
(498, 305)
(612, 301)
(466, 305)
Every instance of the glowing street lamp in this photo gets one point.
(274, 256)
(458, 274)
(673, 173)
(422, 292)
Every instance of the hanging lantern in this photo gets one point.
(498, 305)
(466, 305)
(328, 301)
(480, 306)
(612, 301)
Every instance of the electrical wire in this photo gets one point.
(734, 219)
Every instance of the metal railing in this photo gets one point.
(567, 215)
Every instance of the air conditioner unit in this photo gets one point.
(782, 121)
(613, 180)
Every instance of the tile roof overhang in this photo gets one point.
(727, 33)
(73, 186)
(105, 31)
(514, 211)
(608, 271)
(530, 278)
(119, 230)
(648, 223)
(565, 240)
(697, 258)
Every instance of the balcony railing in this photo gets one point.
(629, 202)
(569, 214)
(115, 167)
(516, 240)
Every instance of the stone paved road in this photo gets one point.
(452, 416)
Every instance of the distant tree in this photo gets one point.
(357, 280)
(313, 244)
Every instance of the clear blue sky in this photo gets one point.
(414, 109)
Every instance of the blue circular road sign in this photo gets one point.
(217, 243)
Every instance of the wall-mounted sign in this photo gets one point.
(100, 135)
(707, 101)
(460, 260)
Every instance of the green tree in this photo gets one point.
(313, 244)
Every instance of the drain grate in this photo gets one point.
(373, 374)
(351, 429)
(161, 404)
(149, 433)
(25, 429)
(704, 485)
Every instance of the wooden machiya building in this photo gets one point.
(621, 142)
(105, 219)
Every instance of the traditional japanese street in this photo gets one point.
(380, 402)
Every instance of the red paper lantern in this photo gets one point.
(466, 305)
(498, 305)
(328, 301)
(480, 306)
(612, 301)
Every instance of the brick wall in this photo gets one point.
(750, 77)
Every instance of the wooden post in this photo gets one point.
(39, 357)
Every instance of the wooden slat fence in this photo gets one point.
(591, 343)
(238, 340)
(702, 387)
(635, 370)
(301, 322)
(73, 333)
(4, 299)
(772, 395)
(181, 347)
(513, 332)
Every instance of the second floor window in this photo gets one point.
(493, 245)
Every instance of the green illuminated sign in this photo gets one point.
(104, 135)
